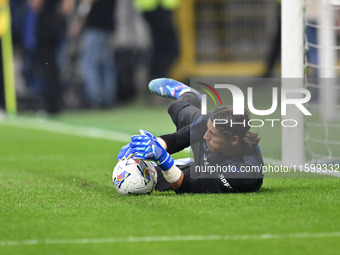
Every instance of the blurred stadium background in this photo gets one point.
(217, 38)
(55, 169)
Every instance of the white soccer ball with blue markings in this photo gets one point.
(134, 176)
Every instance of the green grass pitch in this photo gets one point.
(57, 197)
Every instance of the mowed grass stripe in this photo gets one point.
(169, 239)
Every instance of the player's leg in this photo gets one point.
(187, 106)
(109, 75)
(90, 63)
(185, 110)
(170, 88)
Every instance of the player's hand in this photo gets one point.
(146, 146)
(147, 133)
(125, 152)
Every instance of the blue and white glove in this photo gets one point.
(146, 146)
(125, 152)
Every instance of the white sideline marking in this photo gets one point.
(62, 128)
(168, 239)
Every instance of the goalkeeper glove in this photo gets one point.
(125, 152)
(146, 146)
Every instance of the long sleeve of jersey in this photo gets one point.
(177, 141)
(187, 135)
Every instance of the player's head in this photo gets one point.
(229, 133)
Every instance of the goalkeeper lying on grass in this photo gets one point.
(227, 157)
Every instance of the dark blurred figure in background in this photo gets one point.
(95, 21)
(2, 90)
(131, 43)
(50, 32)
(275, 49)
(159, 16)
(17, 19)
(30, 72)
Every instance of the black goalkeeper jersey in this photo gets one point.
(213, 172)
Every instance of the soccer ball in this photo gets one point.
(134, 176)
